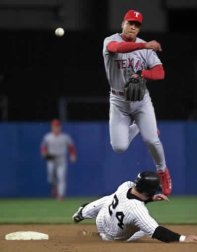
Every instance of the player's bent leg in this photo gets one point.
(133, 131)
(120, 148)
(90, 210)
(148, 131)
(119, 124)
(78, 216)
(146, 122)
(156, 149)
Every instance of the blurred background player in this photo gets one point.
(54, 148)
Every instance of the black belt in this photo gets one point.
(117, 92)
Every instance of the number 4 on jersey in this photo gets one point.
(119, 215)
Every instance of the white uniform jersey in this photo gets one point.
(120, 66)
(124, 214)
(57, 145)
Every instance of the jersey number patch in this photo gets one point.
(119, 215)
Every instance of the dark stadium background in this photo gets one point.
(37, 68)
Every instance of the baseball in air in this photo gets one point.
(59, 32)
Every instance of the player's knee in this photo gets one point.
(152, 141)
(120, 148)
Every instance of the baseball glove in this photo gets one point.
(49, 156)
(135, 89)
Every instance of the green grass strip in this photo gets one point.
(179, 210)
(46, 211)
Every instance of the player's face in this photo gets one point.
(56, 129)
(130, 29)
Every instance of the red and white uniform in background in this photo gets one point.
(60, 145)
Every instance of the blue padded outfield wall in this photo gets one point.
(98, 170)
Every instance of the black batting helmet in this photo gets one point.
(147, 182)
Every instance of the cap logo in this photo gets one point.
(136, 14)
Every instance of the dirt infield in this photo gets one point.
(83, 238)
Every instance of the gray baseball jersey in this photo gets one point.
(120, 66)
(122, 216)
(57, 144)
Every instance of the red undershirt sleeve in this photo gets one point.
(72, 150)
(43, 149)
(155, 73)
(124, 47)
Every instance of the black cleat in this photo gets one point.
(78, 217)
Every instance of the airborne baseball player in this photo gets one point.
(129, 63)
(54, 148)
(123, 215)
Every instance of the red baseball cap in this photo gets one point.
(133, 15)
(55, 122)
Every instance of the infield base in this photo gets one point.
(26, 235)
